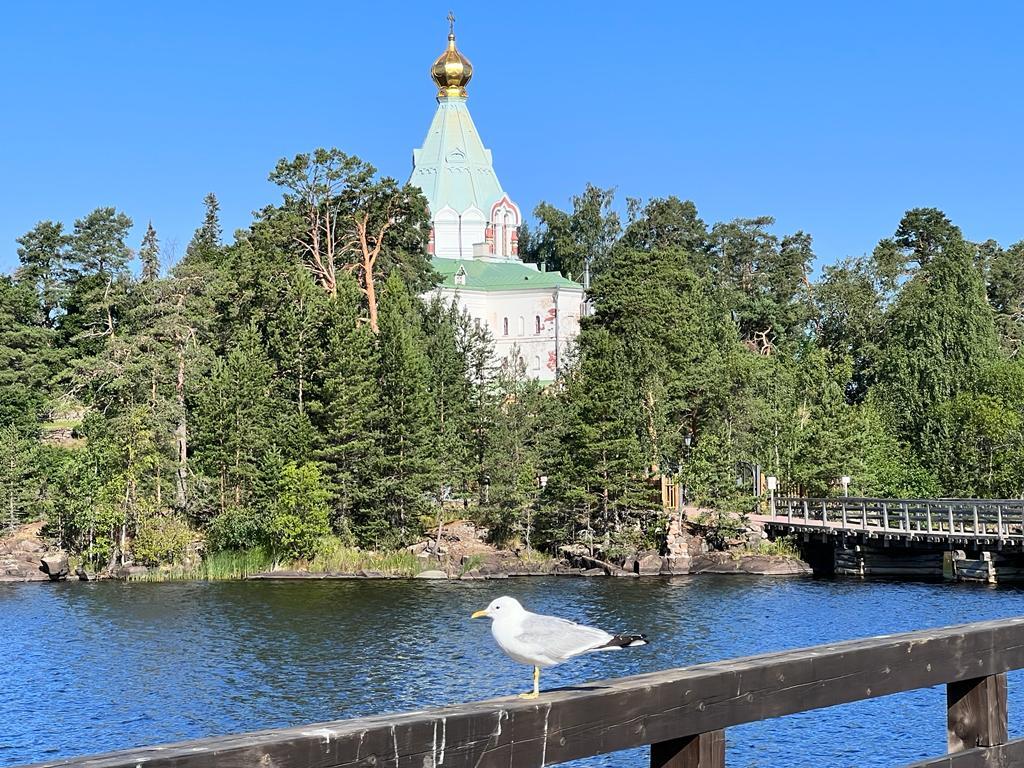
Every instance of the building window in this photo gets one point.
(538, 325)
(504, 326)
(522, 326)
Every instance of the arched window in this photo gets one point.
(538, 325)
(536, 363)
(504, 326)
(522, 325)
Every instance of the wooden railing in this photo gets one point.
(680, 713)
(986, 519)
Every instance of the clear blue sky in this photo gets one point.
(832, 117)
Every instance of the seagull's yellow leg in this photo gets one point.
(536, 686)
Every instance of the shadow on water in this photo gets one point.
(100, 666)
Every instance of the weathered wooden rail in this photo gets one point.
(967, 521)
(681, 713)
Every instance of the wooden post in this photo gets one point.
(975, 508)
(976, 713)
(706, 750)
(844, 513)
(824, 512)
(885, 516)
(928, 512)
(906, 516)
(951, 521)
(999, 521)
(864, 515)
(807, 512)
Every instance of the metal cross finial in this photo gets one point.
(451, 23)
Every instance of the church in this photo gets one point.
(474, 232)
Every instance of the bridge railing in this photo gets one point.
(681, 713)
(998, 519)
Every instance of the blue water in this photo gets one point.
(94, 667)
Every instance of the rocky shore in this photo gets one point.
(461, 552)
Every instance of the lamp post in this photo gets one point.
(845, 482)
(773, 484)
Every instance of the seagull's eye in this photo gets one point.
(497, 607)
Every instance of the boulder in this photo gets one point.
(84, 575)
(433, 574)
(472, 574)
(56, 566)
(593, 572)
(678, 565)
(28, 545)
(366, 574)
(128, 572)
(649, 565)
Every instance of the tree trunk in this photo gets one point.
(181, 436)
(371, 295)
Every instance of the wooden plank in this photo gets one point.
(976, 713)
(705, 750)
(610, 715)
(1009, 755)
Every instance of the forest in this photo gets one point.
(299, 386)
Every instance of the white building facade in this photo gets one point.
(474, 232)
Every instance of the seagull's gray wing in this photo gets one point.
(559, 639)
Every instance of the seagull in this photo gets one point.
(544, 641)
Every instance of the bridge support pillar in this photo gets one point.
(976, 714)
(705, 750)
(957, 566)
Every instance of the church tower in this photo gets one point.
(468, 207)
(474, 234)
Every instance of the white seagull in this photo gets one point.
(544, 641)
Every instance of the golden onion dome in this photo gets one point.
(452, 71)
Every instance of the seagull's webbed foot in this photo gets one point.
(529, 695)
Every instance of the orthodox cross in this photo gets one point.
(451, 23)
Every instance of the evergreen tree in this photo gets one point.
(41, 254)
(149, 255)
(206, 241)
(407, 471)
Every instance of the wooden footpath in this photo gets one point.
(681, 713)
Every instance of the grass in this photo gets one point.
(335, 557)
(783, 546)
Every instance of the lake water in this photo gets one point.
(95, 667)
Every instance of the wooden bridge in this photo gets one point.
(984, 521)
(964, 539)
(681, 714)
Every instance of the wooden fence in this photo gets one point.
(1000, 520)
(680, 713)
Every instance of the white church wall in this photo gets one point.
(513, 317)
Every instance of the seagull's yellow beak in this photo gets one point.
(479, 614)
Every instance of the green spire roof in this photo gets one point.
(497, 276)
(453, 167)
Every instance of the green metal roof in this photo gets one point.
(498, 276)
(453, 167)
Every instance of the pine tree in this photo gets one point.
(149, 255)
(343, 407)
(206, 241)
(42, 253)
(407, 471)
